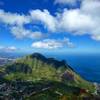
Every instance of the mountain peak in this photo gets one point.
(37, 55)
(36, 67)
(50, 61)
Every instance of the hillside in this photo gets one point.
(48, 75)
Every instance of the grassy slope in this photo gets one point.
(43, 71)
(60, 91)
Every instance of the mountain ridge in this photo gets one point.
(37, 68)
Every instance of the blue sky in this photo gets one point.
(65, 26)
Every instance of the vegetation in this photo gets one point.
(66, 84)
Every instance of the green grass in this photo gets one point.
(44, 71)
(59, 91)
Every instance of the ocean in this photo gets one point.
(87, 65)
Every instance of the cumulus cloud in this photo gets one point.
(13, 18)
(53, 44)
(91, 7)
(78, 21)
(16, 22)
(83, 20)
(45, 18)
(21, 32)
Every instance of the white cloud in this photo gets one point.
(83, 20)
(17, 21)
(45, 18)
(8, 49)
(91, 7)
(12, 48)
(47, 44)
(96, 37)
(76, 22)
(13, 18)
(80, 21)
(53, 44)
(21, 32)
(37, 35)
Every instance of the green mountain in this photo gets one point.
(55, 79)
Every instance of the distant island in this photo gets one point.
(35, 77)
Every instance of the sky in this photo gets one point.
(57, 26)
